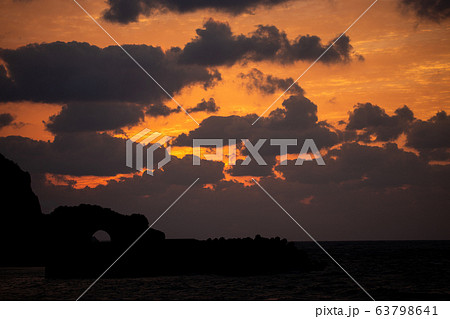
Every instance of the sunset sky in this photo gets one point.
(376, 105)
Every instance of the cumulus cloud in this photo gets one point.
(253, 168)
(102, 89)
(89, 116)
(6, 119)
(216, 44)
(99, 154)
(269, 84)
(160, 109)
(78, 154)
(62, 72)
(182, 172)
(431, 137)
(297, 119)
(355, 166)
(373, 186)
(126, 11)
(433, 10)
(372, 120)
(370, 123)
(209, 106)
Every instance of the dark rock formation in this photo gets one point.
(63, 241)
(236, 256)
(71, 250)
(153, 255)
(21, 232)
(73, 253)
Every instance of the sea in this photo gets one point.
(386, 270)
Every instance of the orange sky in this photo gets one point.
(406, 61)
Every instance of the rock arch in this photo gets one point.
(101, 236)
(71, 251)
(76, 225)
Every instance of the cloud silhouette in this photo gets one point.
(384, 191)
(209, 106)
(269, 84)
(126, 11)
(253, 169)
(356, 166)
(433, 10)
(216, 44)
(78, 154)
(296, 119)
(61, 72)
(370, 123)
(431, 137)
(372, 120)
(6, 119)
(90, 116)
(160, 109)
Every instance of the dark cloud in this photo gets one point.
(70, 153)
(417, 210)
(298, 113)
(369, 123)
(82, 117)
(99, 154)
(269, 84)
(62, 72)
(216, 44)
(433, 10)
(209, 106)
(218, 127)
(160, 109)
(432, 137)
(297, 119)
(126, 11)
(386, 192)
(6, 119)
(372, 120)
(253, 168)
(355, 166)
(182, 172)
(6, 85)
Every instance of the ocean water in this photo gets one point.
(388, 270)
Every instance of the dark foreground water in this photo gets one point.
(389, 270)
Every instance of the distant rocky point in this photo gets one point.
(75, 255)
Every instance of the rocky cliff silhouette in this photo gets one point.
(21, 220)
(63, 241)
